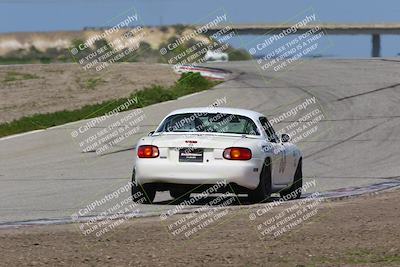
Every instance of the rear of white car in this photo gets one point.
(199, 147)
(198, 159)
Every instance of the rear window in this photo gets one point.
(209, 122)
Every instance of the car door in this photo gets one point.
(278, 151)
(288, 159)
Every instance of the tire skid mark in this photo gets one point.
(345, 140)
(369, 92)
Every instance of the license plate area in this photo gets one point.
(191, 154)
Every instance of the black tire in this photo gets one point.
(143, 194)
(263, 191)
(294, 191)
(176, 193)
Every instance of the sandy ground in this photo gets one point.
(362, 231)
(56, 87)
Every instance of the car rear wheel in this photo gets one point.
(294, 191)
(263, 190)
(144, 194)
(179, 194)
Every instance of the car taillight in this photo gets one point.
(237, 153)
(148, 152)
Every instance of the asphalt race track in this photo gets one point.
(45, 175)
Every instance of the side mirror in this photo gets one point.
(150, 133)
(285, 138)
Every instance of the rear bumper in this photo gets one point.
(242, 173)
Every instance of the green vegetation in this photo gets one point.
(361, 257)
(145, 53)
(14, 60)
(187, 84)
(33, 55)
(17, 76)
(365, 256)
(91, 83)
(238, 54)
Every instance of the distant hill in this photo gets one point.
(43, 41)
(45, 47)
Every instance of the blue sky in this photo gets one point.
(49, 15)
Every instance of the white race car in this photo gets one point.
(195, 148)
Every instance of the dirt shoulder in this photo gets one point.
(362, 231)
(42, 88)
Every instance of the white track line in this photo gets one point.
(21, 134)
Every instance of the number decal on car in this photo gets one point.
(282, 164)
